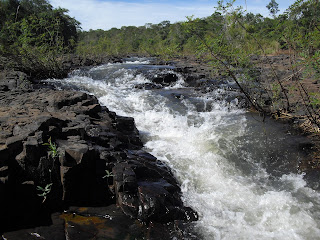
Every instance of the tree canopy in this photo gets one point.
(33, 33)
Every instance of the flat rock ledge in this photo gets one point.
(72, 169)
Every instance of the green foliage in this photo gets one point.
(315, 99)
(297, 28)
(276, 91)
(273, 7)
(53, 153)
(44, 191)
(108, 174)
(33, 35)
(52, 148)
(169, 40)
(108, 177)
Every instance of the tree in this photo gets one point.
(33, 35)
(273, 8)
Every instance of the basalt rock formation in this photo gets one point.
(60, 149)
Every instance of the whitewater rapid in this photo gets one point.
(234, 172)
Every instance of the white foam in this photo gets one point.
(137, 62)
(231, 204)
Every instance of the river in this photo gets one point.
(238, 173)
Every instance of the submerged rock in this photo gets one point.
(61, 148)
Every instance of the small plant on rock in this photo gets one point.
(44, 191)
(108, 174)
(52, 148)
(53, 153)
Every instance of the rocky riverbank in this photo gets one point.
(72, 169)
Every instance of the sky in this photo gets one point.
(105, 14)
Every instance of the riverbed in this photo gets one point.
(238, 172)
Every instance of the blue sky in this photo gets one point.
(104, 14)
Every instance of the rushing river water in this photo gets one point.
(236, 172)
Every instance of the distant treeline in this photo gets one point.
(297, 28)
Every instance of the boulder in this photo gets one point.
(11, 80)
(165, 79)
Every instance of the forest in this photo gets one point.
(297, 29)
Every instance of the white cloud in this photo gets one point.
(95, 14)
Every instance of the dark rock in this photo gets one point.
(94, 159)
(148, 86)
(125, 124)
(12, 80)
(164, 79)
(56, 231)
(103, 223)
(306, 145)
(148, 192)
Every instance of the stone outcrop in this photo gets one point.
(61, 148)
(12, 80)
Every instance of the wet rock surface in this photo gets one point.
(103, 223)
(165, 79)
(61, 149)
